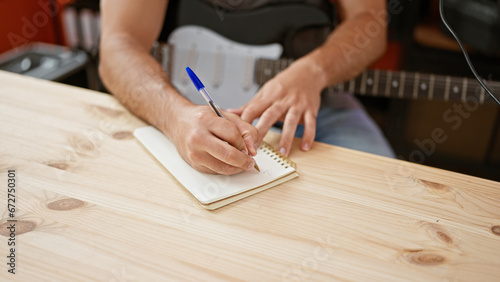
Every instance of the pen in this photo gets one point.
(201, 88)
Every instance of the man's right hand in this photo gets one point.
(207, 142)
(211, 144)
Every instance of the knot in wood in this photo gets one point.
(21, 226)
(65, 204)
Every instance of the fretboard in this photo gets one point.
(400, 84)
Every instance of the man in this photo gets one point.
(214, 145)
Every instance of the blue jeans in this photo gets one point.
(343, 121)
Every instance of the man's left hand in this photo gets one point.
(293, 97)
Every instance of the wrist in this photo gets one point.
(313, 66)
(171, 108)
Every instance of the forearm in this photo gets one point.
(350, 48)
(139, 82)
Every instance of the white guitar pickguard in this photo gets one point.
(225, 67)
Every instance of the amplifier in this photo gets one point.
(477, 23)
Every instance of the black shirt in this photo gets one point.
(299, 26)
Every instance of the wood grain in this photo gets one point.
(93, 205)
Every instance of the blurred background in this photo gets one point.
(417, 42)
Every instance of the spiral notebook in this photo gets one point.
(214, 191)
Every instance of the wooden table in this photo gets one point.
(91, 204)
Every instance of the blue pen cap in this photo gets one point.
(196, 81)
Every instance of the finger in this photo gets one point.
(268, 118)
(236, 111)
(254, 108)
(203, 168)
(289, 127)
(249, 133)
(309, 131)
(230, 156)
(205, 160)
(215, 166)
(228, 131)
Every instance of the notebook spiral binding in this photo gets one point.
(282, 160)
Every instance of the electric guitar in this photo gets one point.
(233, 72)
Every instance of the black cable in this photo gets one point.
(441, 13)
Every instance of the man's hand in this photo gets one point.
(207, 142)
(293, 96)
(211, 144)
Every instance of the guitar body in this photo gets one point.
(223, 45)
(226, 67)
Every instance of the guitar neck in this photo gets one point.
(396, 84)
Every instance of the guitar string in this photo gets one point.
(410, 77)
(457, 82)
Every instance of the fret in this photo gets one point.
(447, 89)
(415, 85)
(362, 89)
(281, 62)
(270, 67)
(264, 71)
(269, 71)
(394, 85)
(341, 87)
(276, 68)
(352, 84)
(402, 84)
(260, 72)
(382, 83)
(332, 89)
(376, 75)
(455, 91)
(290, 61)
(494, 89)
(284, 64)
(357, 84)
(388, 84)
(431, 88)
(369, 82)
(409, 85)
(464, 89)
(422, 86)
